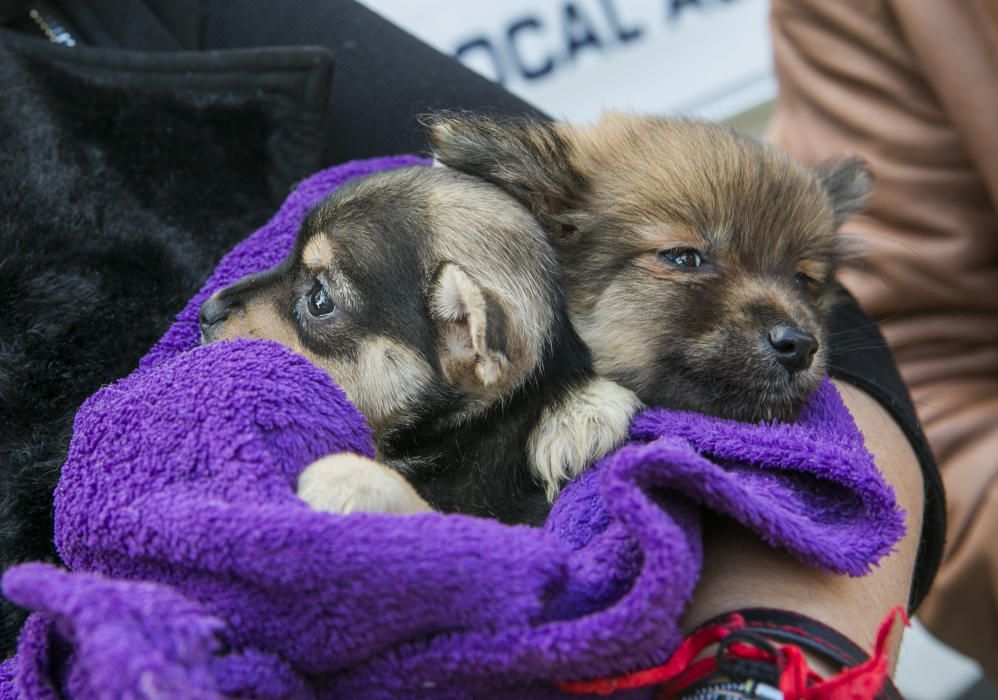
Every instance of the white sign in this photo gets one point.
(572, 58)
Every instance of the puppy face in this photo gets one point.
(697, 261)
(395, 286)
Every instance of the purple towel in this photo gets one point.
(195, 571)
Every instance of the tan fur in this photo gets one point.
(459, 304)
(258, 319)
(621, 196)
(625, 307)
(508, 271)
(317, 254)
(667, 178)
(586, 426)
(678, 184)
(348, 483)
(381, 382)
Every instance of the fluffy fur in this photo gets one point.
(697, 261)
(117, 196)
(458, 350)
(349, 483)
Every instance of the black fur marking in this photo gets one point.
(459, 459)
(481, 467)
(495, 328)
(848, 184)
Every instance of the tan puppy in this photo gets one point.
(698, 262)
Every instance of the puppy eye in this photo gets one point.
(319, 302)
(682, 257)
(806, 282)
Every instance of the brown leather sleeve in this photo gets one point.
(913, 88)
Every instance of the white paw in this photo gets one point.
(349, 483)
(589, 423)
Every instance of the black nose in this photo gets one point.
(793, 347)
(212, 312)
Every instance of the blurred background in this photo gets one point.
(572, 58)
(705, 58)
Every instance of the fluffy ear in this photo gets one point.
(528, 158)
(472, 330)
(848, 184)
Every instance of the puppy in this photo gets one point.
(434, 300)
(698, 262)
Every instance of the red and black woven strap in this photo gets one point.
(805, 632)
(767, 646)
(764, 628)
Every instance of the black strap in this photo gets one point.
(765, 624)
(859, 356)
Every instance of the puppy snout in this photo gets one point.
(213, 312)
(793, 347)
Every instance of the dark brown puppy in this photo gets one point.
(457, 348)
(698, 262)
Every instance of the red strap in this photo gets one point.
(797, 680)
(861, 682)
(680, 664)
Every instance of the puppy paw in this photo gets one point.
(349, 483)
(590, 422)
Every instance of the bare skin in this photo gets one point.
(741, 571)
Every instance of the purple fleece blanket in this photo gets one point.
(194, 571)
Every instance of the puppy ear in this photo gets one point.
(472, 330)
(848, 184)
(528, 158)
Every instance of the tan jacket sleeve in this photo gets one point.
(913, 88)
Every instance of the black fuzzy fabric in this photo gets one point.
(123, 179)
